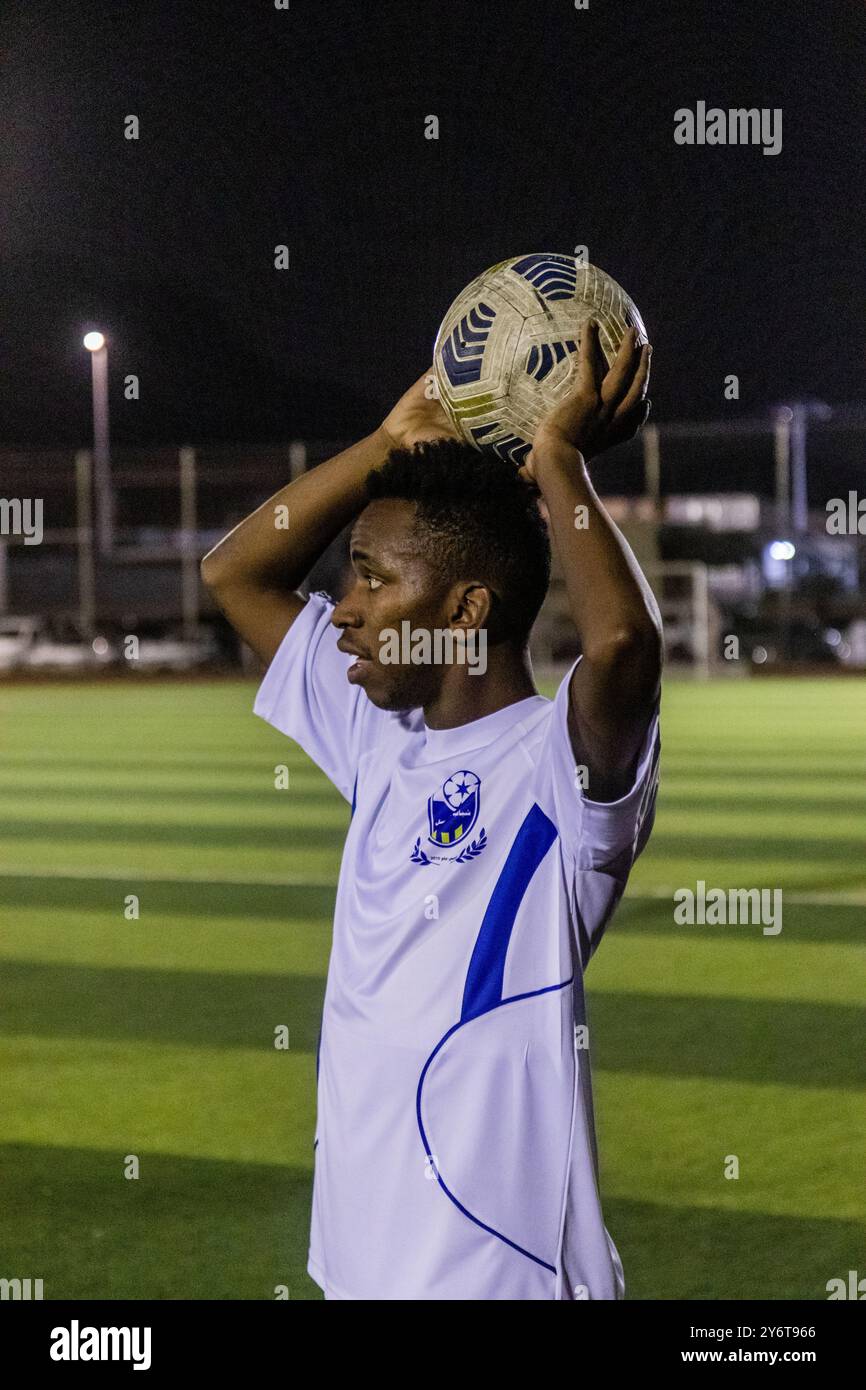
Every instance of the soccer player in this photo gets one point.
(491, 835)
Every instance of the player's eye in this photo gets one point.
(373, 583)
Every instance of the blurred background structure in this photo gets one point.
(750, 574)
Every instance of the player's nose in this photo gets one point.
(346, 613)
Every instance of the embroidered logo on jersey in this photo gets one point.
(451, 815)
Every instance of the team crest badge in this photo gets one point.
(451, 816)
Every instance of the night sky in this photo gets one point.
(306, 127)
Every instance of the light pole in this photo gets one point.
(792, 494)
(98, 349)
(782, 454)
(799, 488)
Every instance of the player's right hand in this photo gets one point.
(418, 415)
(604, 407)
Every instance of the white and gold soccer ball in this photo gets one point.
(505, 353)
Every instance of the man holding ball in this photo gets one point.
(491, 835)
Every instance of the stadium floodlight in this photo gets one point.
(94, 341)
(782, 550)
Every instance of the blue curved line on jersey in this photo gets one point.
(485, 976)
(491, 1230)
(318, 1055)
(354, 797)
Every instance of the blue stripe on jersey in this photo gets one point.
(491, 1230)
(354, 797)
(484, 979)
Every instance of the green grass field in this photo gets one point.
(155, 1037)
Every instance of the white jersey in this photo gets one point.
(455, 1149)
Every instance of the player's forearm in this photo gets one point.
(278, 544)
(611, 603)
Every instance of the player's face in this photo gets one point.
(392, 586)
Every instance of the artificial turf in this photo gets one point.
(153, 1036)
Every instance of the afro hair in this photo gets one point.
(475, 518)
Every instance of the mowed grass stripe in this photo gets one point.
(755, 1039)
(154, 818)
(297, 823)
(214, 764)
(170, 899)
(736, 965)
(203, 1007)
(743, 967)
(800, 1149)
(248, 1104)
(288, 942)
(174, 858)
(783, 810)
(181, 1231)
(29, 875)
(788, 1256)
(717, 840)
(682, 860)
(785, 1042)
(314, 856)
(806, 915)
(120, 793)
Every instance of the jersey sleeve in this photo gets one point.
(599, 840)
(604, 836)
(305, 694)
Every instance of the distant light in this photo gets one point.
(782, 550)
(94, 341)
(759, 655)
(832, 636)
(100, 646)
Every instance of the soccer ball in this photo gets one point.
(504, 355)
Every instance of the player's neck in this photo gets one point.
(464, 696)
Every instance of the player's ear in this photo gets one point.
(473, 607)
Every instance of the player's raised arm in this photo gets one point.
(255, 571)
(615, 685)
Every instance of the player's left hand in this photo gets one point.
(603, 409)
(418, 416)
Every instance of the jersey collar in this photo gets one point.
(442, 743)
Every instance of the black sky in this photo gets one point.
(306, 127)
